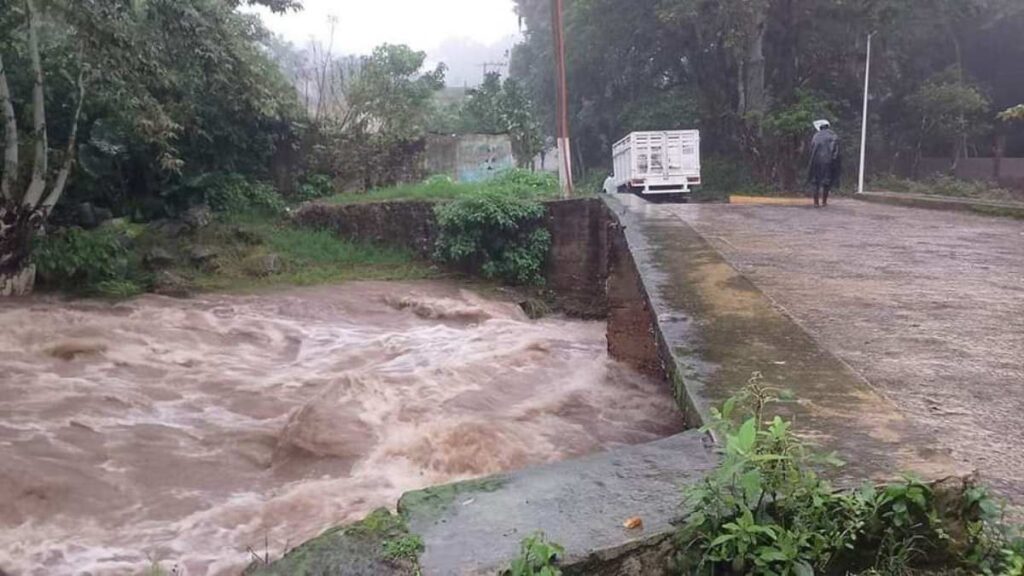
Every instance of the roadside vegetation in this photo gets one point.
(241, 238)
(769, 509)
(945, 185)
(753, 75)
(523, 183)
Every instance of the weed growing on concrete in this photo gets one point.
(407, 547)
(766, 510)
(537, 557)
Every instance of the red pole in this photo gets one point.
(562, 98)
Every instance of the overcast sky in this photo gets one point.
(480, 29)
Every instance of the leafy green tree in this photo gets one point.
(147, 91)
(520, 119)
(948, 111)
(390, 96)
(483, 110)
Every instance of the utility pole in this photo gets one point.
(562, 95)
(864, 121)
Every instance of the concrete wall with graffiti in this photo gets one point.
(468, 157)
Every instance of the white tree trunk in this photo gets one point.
(19, 283)
(10, 176)
(37, 186)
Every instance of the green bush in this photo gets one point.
(524, 182)
(314, 187)
(765, 510)
(498, 234)
(82, 261)
(234, 194)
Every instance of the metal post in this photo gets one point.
(562, 96)
(864, 121)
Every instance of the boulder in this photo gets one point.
(157, 258)
(86, 216)
(262, 266)
(202, 255)
(169, 228)
(197, 217)
(102, 215)
(245, 236)
(168, 283)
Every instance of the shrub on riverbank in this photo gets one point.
(766, 510)
(497, 234)
(237, 252)
(517, 182)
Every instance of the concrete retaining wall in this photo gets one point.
(577, 265)
(468, 157)
(1009, 172)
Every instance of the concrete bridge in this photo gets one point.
(897, 331)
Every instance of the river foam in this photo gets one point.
(189, 432)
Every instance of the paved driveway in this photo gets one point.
(927, 305)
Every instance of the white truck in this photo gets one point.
(657, 162)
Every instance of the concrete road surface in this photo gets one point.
(927, 305)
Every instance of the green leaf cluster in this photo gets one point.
(230, 192)
(537, 557)
(499, 232)
(81, 261)
(767, 510)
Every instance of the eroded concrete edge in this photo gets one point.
(715, 329)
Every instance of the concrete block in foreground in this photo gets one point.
(476, 527)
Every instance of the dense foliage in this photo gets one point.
(499, 231)
(172, 90)
(80, 261)
(766, 510)
(751, 74)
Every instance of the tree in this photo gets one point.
(740, 70)
(948, 111)
(26, 206)
(520, 119)
(160, 90)
(483, 110)
(390, 96)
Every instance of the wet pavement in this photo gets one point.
(927, 306)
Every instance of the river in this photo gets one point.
(187, 432)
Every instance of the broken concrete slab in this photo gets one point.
(476, 527)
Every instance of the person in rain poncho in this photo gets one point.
(826, 162)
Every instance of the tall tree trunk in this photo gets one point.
(37, 186)
(753, 93)
(10, 176)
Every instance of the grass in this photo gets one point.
(947, 186)
(541, 186)
(304, 257)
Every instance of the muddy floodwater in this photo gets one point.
(187, 432)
